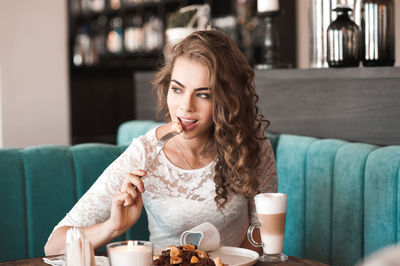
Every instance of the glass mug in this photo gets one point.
(271, 213)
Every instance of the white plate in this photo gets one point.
(231, 256)
(234, 256)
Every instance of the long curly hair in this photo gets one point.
(238, 128)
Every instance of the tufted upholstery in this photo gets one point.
(342, 205)
(133, 129)
(39, 185)
(343, 197)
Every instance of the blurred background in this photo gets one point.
(71, 71)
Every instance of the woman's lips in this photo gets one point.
(188, 123)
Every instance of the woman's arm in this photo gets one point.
(111, 205)
(98, 235)
(126, 208)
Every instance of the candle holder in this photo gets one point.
(131, 252)
(270, 43)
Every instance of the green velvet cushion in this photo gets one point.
(13, 232)
(133, 129)
(343, 197)
(291, 158)
(348, 199)
(381, 199)
(50, 191)
(318, 198)
(90, 160)
(39, 185)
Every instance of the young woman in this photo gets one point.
(209, 172)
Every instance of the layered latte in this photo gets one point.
(271, 212)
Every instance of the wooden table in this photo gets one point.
(293, 261)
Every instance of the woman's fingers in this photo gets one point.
(131, 196)
(119, 199)
(124, 199)
(138, 172)
(133, 180)
(130, 187)
(128, 200)
(132, 192)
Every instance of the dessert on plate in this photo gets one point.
(185, 255)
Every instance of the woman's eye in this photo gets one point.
(175, 89)
(204, 95)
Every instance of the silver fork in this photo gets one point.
(160, 144)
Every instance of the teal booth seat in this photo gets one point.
(133, 129)
(343, 199)
(39, 185)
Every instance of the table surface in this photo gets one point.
(293, 261)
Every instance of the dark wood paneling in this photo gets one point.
(354, 104)
(100, 102)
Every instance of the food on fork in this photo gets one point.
(185, 255)
(177, 127)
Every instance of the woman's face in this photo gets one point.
(189, 97)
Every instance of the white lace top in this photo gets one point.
(175, 199)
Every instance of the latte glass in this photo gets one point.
(271, 213)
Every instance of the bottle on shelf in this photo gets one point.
(115, 4)
(98, 36)
(85, 6)
(343, 40)
(134, 34)
(97, 5)
(83, 47)
(115, 36)
(75, 7)
(378, 32)
(153, 32)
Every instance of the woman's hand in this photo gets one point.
(127, 203)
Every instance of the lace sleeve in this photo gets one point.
(268, 179)
(95, 205)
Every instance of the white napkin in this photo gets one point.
(78, 250)
(59, 261)
(205, 236)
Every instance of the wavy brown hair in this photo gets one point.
(238, 127)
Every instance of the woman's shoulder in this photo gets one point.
(148, 139)
(265, 146)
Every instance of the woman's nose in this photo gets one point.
(187, 104)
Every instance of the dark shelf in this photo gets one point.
(122, 10)
(127, 62)
(357, 104)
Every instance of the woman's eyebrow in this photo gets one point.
(183, 86)
(177, 82)
(202, 89)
